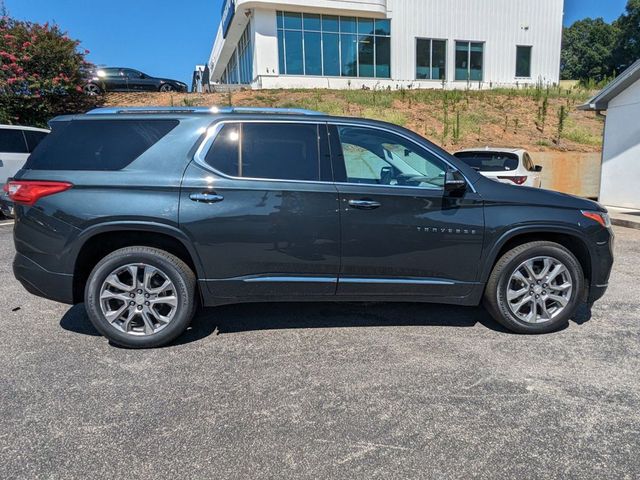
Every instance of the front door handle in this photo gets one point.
(206, 197)
(364, 204)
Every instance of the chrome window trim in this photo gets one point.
(214, 129)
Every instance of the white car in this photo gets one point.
(16, 143)
(506, 165)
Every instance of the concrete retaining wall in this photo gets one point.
(575, 173)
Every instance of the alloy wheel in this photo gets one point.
(91, 89)
(539, 290)
(138, 299)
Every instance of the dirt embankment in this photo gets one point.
(454, 119)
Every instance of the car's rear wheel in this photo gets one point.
(141, 297)
(166, 87)
(92, 89)
(535, 288)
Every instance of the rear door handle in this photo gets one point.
(206, 197)
(364, 204)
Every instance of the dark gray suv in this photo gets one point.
(146, 214)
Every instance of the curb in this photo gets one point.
(618, 222)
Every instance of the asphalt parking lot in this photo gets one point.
(323, 391)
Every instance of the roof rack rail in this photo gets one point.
(206, 110)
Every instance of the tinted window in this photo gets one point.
(523, 62)
(97, 144)
(261, 150)
(12, 141)
(282, 151)
(132, 73)
(109, 72)
(224, 152)
(383, 158)
(490, 161)
(33, 138)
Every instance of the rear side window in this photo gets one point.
(12, 141)
(282, 151)
(97, 144)
(490, 161)
(33, 138)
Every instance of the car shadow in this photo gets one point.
(247, 317)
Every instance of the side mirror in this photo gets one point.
(454, 182)
(537, 168)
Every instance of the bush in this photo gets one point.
(42, 72)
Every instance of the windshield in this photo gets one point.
(490, 161)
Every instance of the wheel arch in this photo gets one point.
(97, 242)
(568, 238)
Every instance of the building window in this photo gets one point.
(240, 66)
(469, 61)
(333, 46)
(523, 62)
(431, 59)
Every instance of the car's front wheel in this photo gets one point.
(166, 87)
(535, 288)
(141, 297)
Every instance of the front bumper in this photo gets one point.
(6, 206)
(601, 265)
(41, 282)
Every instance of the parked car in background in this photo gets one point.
(112, 79)
(16, 143)
(143, 214)
(506, 165)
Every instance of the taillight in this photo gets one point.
(517, 180)
(600, 217)
(28, 192)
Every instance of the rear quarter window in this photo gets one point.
(102, 145)
(490, 161)
(12, 141)
(34, 138)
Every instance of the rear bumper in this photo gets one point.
(41, 282)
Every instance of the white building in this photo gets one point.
(621, 150)
(388, 43)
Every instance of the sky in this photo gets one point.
(167, 38)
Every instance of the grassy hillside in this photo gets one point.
(528, 118)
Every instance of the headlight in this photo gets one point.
(601, 217)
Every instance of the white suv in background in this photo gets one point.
(506, 165)
(16, 143)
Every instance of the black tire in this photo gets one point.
(171, 266)
(167, 88)
(495, 296)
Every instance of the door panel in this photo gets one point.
(263, 238)
(416, 242)
(401, 233)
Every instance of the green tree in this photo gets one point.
(42, 72)
(628, 46)
(588, 50)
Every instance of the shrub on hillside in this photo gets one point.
(41, 73)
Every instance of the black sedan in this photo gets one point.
(129, 80)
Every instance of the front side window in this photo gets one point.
(523, 62)
(277, 151)
(382, 158)
(329, 45)
(469, 61)
(431, 59)
(12, 141)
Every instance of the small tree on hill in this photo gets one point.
(42, 72)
